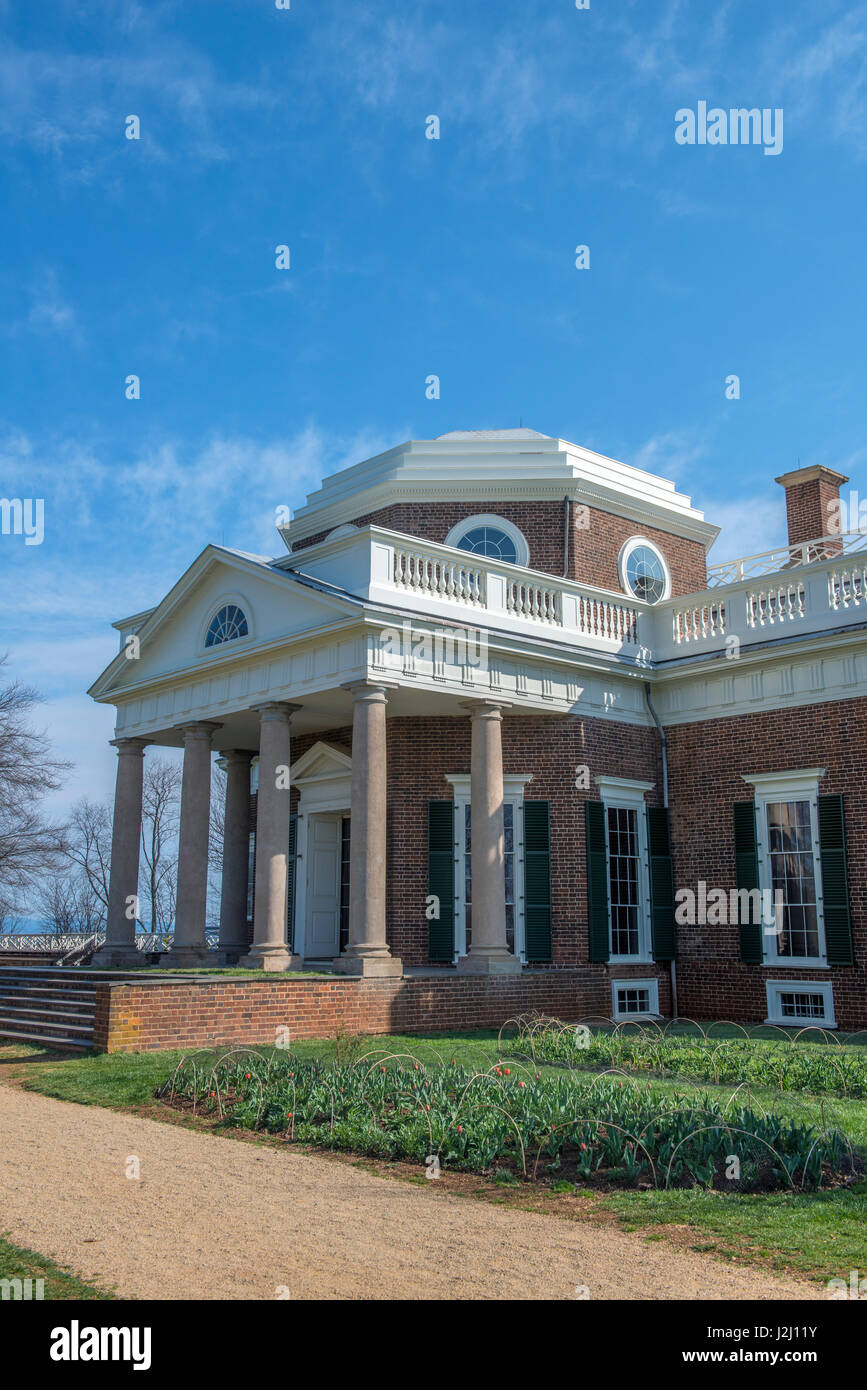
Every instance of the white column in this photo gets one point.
(269, 950)
(188, 946)
(489, 953)
(123, 908)
(236, 855)
(367, 952)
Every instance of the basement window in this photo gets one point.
(795, 1004)
(634, 998)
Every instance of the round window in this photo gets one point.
(643, 571)
(487, 540)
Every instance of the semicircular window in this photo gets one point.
(226, 626)
(645, 574)
(487, 540)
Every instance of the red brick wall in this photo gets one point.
(164, 1014)
(593, 550)
(707, 762)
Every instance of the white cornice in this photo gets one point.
(492, 470)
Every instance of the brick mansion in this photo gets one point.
(483, 721)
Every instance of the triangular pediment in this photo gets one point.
(172, 639)
(321, 763)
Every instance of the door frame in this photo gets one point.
(323, 776)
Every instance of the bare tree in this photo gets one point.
(30, 845)
(218, 819)
(89, 844)
(68, 904)
(161, 796)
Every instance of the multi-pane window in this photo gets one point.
(793, 876)
(226, 626)
(508, 869)
(344, 882)
(633, 1001)
(487, 540)
(801, 1005)
(624, 879)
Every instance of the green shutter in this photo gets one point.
(441, 879)
(835, 881)
(537, 881)
(661, 884)
(290, 881)
(597, 881)
(747, 877)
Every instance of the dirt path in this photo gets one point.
(213, 1218)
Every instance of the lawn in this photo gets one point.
(17, 1263)
(819, 1233)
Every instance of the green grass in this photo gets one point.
(18, 1263)
(821, 1235)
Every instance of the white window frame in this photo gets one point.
(773, 990)
(626, 550)
(625, 793)
(499, 523)
(651, 984)
(799, 785)
(513, 792)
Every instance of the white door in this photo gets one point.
(323, 887)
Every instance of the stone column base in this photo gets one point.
(384, 967)
(504, 964)
(117, 958)
(265, 958)
(187, 958)
(231, 955)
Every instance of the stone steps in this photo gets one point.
(47, 1006)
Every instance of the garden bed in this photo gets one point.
(605, 1131)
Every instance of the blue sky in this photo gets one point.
(306, 127)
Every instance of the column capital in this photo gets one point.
(199, 728)
(130, 745)
(277, 709)
(231, 756)
(485, 709)
(374, 690)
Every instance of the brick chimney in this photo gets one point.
(811, 495)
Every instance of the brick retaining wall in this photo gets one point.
(212, 1013)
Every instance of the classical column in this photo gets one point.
(367, 952)
(269, 950)
(123, 908)
(188, 946)
(488, 953)
(236, 855)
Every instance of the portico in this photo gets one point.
(328, 860)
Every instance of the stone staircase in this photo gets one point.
(52, 1006)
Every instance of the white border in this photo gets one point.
(773, 988)
(469, 523)
(625, 551)
(651, 984)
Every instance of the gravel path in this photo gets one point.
(214, 1218)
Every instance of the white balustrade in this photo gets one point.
(696, 621)
(419, 572)
(847, 587)
(775, 603)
